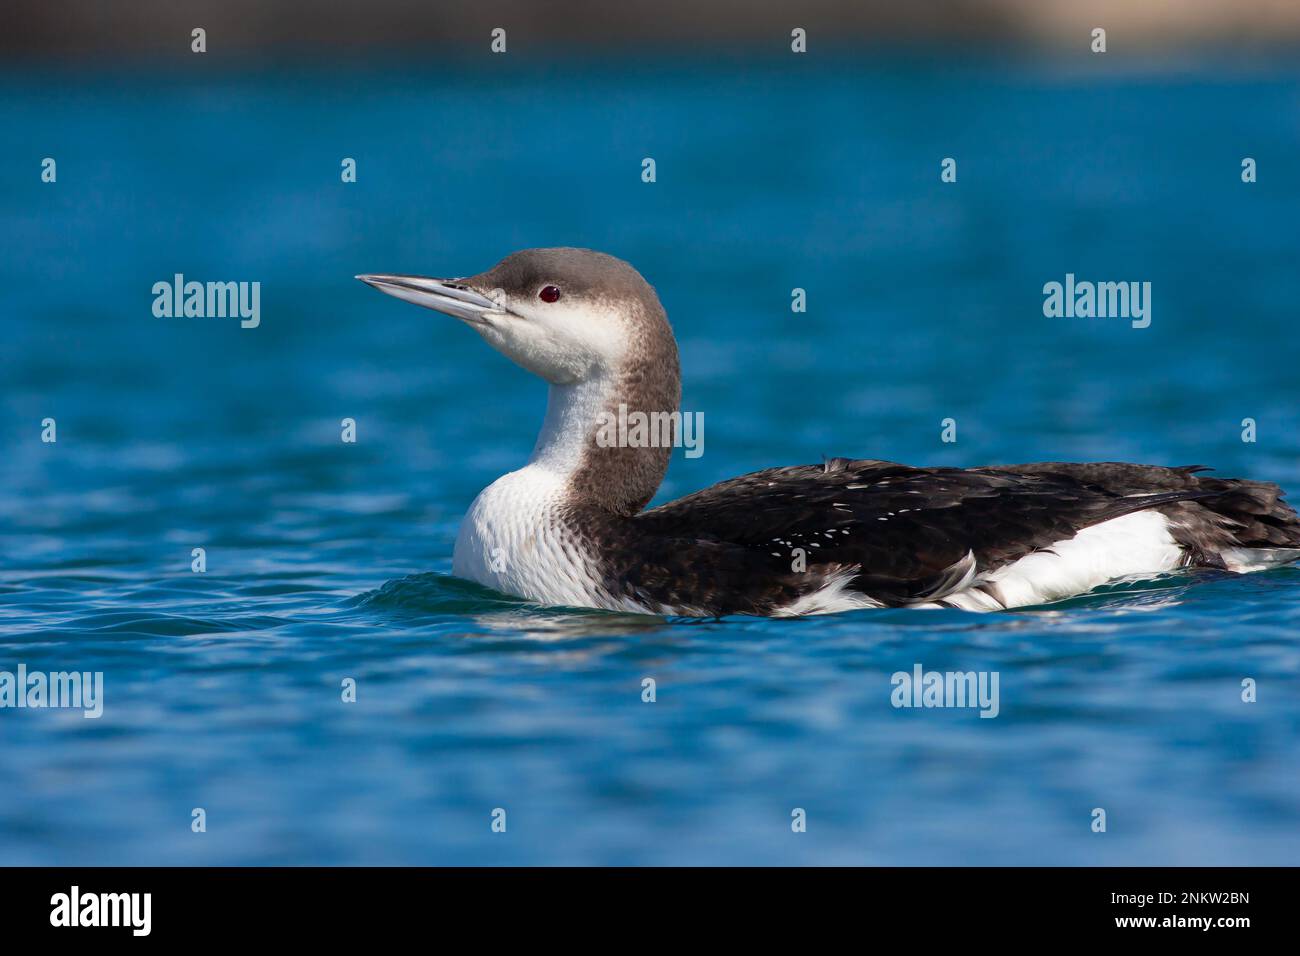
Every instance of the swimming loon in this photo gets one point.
(569, 527)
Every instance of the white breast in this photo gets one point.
(515, 539)
(512, 540)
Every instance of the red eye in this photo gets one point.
(549, 293)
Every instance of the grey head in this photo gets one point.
(564, 314)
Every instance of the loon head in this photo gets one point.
(567, 315)
(593, 328)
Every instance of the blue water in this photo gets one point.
(328, 560)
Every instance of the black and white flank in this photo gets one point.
(569, 527)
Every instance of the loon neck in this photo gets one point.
(574, 442)
(571, 411)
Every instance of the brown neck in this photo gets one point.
(627, 423)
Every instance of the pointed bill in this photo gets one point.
(443, 295)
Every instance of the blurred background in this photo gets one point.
(775, 171)
(344, 28)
